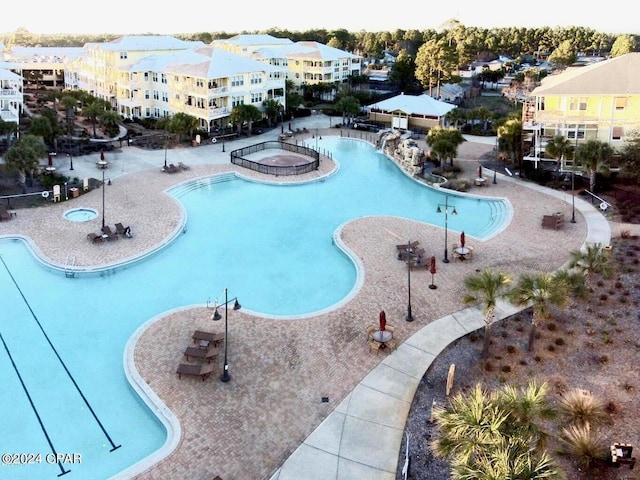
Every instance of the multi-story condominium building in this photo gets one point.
(42, 67)
(11, 99)
(597, 102)
(11, 87)
(159, 76)
(306, 63)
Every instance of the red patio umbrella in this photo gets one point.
(383, 320)
(50, 161)
(432, 269)
(462, 239)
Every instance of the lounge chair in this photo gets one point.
(95, 238)
(207, 354)
(122, 230)
(404, 246)
(203, 370)
(214, 338)
(109, 233)
(4, 215)
(170, 169)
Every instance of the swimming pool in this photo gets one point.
(63, 338)
(80, 214)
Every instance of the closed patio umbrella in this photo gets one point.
(383, 320)
(50, 161)
(462, 239)
(479, 171)
(102, 155)
(432, 269)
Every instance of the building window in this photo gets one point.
(146, 76)
(576, 131)
(237, 81)
(235, 101)
(621, 103)
(256, 98)
(156, 95)
(576, 104)
(147, 112)
(541, 103)
(146, 94)
(164, 78)
(155, 76)
(616, 133)
(256, 78)
(123, 55)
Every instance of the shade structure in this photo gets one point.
(102, 155)
(462, 239)
(383, 320)
(432, 266)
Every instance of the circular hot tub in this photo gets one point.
(80, 214)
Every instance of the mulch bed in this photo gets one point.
(592, 344)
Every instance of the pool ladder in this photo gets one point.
(68, 269)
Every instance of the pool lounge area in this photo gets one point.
(295, 348)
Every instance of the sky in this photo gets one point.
(145, 16)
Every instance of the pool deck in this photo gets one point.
(271, 421)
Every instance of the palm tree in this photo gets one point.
(349, 106)
(469, 425)
(595, 156)
(444, 143)
(109, 119)
(245, 113)
(272, 109)
(510, 139)
(455, 117)
(540, 290)
(24, 157)
(92, 112)
(485, 288)
(182, 124)
(488, 435)
(594, 258)
(527, 408)
(559, 148)
(70, 104)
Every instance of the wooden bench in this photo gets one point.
(555, 221)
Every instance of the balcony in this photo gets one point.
(9, 115)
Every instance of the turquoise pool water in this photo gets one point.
(64, 388)
(80, 214)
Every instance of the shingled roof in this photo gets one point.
(616, 76)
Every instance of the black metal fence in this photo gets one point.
(237, 158)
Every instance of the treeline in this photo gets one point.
(470, 42)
